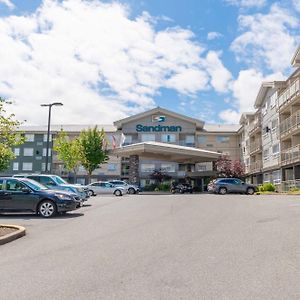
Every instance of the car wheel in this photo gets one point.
(131, 191)
(47, 209)
(181, 191)
(118, 193)
(173, 191)
(250, 191)
(222, 191)
(91, 193)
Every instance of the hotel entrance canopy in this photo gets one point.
(167, 152)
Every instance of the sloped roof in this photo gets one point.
(158, 110)
(296, 58)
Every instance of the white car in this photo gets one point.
(103, 187)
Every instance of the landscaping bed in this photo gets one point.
(6, 230)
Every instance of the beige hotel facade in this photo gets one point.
(266, 141)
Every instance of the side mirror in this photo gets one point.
(25, 190)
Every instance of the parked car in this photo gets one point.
(105, 187)
(181, 188)
(131, 189)
(231, 185)
(55, 182)
(26, 195)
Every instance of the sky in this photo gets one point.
(106, 60)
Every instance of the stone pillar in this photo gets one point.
(134, 174)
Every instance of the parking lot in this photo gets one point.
(158, 247)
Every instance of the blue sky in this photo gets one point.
(205, 58)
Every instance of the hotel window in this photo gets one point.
(128, 140)
(17, 151)
(147, 137)
(190, 140)
(147, 167)
(274, 124)
(276, 177)
(27, 166)
(275, 149)
(202, 139)
(266, 154)
(168, 138)
(112, 167)
(29, 137)
(222, 139)
(168, 167)
(15, 166)
(45, 150)
(45, 138)
(44, 166)
(266, 177)
(28, 151)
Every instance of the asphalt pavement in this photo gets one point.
(158, 247)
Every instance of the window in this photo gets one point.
(190, 139)
(17, 151)
(45, 138)
(45, 150)
(27, 166)
(112, 167)
(47, 181)
(274, 124)
(222, 139)
(168, 167)
(276, 177)
(266, 154)
(29, 137)
(147, 167)
(266, 177)
(275, 149)
(202, 139)
(80, 181)
(15, 166)
(247, 161)
(128, 139)
(28, 151)
(44, 166)
(147, 137)
(14, 185)
(168, 138)
(1, 184)
(201, 168)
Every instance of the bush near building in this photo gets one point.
(267, 187)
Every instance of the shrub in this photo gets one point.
(294, 189)
(150, 187)
(267, 187)
(156, 189)
(164, 187)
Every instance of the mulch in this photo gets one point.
(6, 230)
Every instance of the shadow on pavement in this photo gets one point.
(23, 216)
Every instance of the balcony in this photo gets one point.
(255, 147)
(289, 95)
(290, 155)
(255, 127)
(256, 166)
(290, 124)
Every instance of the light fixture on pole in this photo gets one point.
(48, 131)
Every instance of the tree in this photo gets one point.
(228, 168)
(92, 144)
(68, 151)
(8, 136)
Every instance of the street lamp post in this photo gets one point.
(48, 131)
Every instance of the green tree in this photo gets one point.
(8, 136)
(92, 144)
(68, 151)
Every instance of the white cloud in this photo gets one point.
(8, 3)
(247, 3)
(214, 35)
(220, 76)
(98, 61)
(296, 4)
(230, 116)
(268, 39)
(244, 91)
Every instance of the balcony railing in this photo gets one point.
(255, 126)
(255, 147)
(256, 166)
(289, 94)
(290, 155)
(290, 124)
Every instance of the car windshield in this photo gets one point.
(36, 186)
(59, 180)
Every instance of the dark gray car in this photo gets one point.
(231, 185)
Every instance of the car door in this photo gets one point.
(96, 187)
(239, 187)
(110, 188)
(4, 197)
(18, 200)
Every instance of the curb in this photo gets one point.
(21, 231)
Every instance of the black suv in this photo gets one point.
(26, 195)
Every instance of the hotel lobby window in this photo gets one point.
(147, 137)
(190, 140)
(147, 167)
(168, 138)
(168, 167)
(128, 140)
